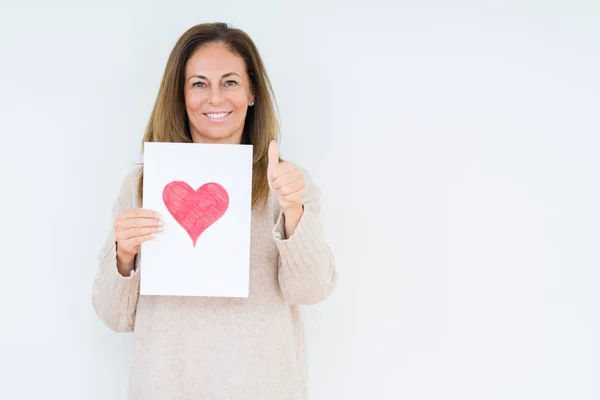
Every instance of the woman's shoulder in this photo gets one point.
(128, 192)
(131, 177)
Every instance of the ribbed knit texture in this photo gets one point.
(223, 348)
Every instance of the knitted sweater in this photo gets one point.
(223, 348)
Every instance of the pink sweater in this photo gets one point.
(223, 348)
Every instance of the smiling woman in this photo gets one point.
(215, 89)
(217, 102)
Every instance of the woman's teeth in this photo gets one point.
(217, 116)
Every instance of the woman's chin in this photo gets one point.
(216, 136)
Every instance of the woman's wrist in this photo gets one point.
(292, 218)
(125, 263)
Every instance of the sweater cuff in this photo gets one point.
(114, 285)
(305, 251)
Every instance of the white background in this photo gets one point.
(457, 146)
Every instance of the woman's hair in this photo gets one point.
(169, 121)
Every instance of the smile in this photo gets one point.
(217, 116)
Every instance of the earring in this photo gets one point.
(251, 103)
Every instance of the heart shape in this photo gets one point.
(195, 210)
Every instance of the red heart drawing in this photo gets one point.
(195, 210)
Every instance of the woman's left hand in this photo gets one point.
(287, 182)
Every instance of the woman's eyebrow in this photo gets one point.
(224, 76)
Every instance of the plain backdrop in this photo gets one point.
(456, 144)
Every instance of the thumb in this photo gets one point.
(273, 154)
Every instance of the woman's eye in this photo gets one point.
(198, 84)
(230, 83)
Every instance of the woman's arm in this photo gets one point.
(115, 296)
(307, 270)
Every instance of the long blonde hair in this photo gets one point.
(169, 121)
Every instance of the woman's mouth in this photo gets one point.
(217, 116)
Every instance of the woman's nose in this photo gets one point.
(216, 96)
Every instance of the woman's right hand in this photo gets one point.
(134, 226)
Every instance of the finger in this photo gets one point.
(295, 196)
(140, 213)
(146, 222)
(135, 232)
(290, 188)
(284, 170)
(286, 178)
(136, 241)
(129, 223)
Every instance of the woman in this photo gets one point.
(215, 90)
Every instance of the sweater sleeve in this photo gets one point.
(307, 270)
(114, 296)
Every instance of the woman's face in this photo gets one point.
(217, 94)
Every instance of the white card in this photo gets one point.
(203, 193)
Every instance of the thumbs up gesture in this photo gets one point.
(287, 182)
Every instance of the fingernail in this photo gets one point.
(160, 223)
(159, 229)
